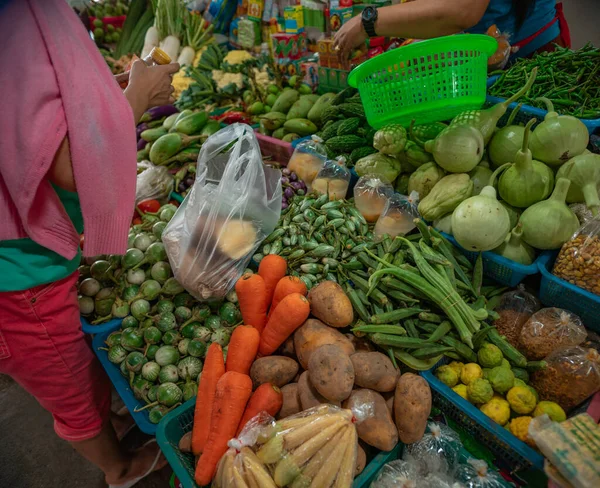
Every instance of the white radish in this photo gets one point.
(186, 58)
(171, 46)
(150, 41)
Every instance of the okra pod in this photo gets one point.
(444, 328)
(395, 315)
(363, 284)
(415, 363)
(430, 317)
(382, 328)
(535, 365)
(398, 295)
(509, 351)
(357, 304)
(478, 274)
(409, 325)
(461, 349)
(480, 336)
(434, 350)
(404, 342)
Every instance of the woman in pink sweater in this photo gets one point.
(68, 160)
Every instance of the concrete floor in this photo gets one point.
(32, 456)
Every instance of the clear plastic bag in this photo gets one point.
(436, 452)
(549, 329)
(333, 179)
(398, 216)
(583, 213)
(398, 474)
(571, 375)
(475, 473)
(234, 204)
(515, 308)
(370, 196)
(307, 160)
(578, 261)
(500, 58)
(153, 183)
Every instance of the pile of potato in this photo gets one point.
(321, 365)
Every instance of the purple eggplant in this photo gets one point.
(289, 193)
(284, 205)
(285, 180)
(296, 185)
(293, 176)
(158, 112)
(286, 172)
(141, 128)
(141, 144)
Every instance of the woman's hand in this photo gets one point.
(149, 86)
(350, 36)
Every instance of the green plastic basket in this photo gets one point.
(430, 81)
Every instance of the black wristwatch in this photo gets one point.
(369, 17)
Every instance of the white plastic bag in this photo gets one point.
(153, 183)
(233, 205)
(333, 179)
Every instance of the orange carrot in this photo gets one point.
(286, 286)
(272, 268)
(267, 398)
(233, 391)
(214, 368)
(290, 314)
(242, 349)
(252, 299)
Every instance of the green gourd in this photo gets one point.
(583, 172)
(515, 249)
(480, 175)
(457, 149)
(550, 223)
(526, 181)
(507, 141)
(481, 223)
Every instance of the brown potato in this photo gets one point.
(412, 406)
(331, 372)
(185, 443)
(309, 397)
(374, 370)
(389, 400)
(291, 401)
(314, 334)
(329, 303)
(361, 344)
(287, 348)
(361, 460)
(277, 370)
(377, 427)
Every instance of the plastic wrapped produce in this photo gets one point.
(370, 196)
(153, 183)
(549, 329)
(579, 259)
(436, 452)
(234, 204)
(476, 474)
(333, 179)
(398, 216)
(515, 308)
(397, 474)
(307, 160)
(571, 375)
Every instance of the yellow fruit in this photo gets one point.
(447, 375)
(461, 390)
(553, 410)
(457, 366)
(489, 356)
(521, 399)
(519, 427)
(497, 409)
(470, 372)
(480, 391)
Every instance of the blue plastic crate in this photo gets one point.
(556, 292)
(121, 384)
(527, 111)
(364, 479)
(499, 268)
(100, 328)
(505, 446)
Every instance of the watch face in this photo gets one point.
(369, 13)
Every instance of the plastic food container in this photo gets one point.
(430, 81)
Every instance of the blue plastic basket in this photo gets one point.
(506, 447)
(100, 328)
(556, 292)
(364, 479)
(527, 111)
(121, 384)
(499, 268)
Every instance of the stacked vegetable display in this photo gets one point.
(164, 332)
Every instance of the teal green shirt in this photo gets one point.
(25, 264)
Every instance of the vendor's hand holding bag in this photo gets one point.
(233, 205)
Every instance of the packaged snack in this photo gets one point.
(549, 329)
(579, 259)
(233, 205)
(515, 308)
(333, 179)
(571, 375)
(398, 215)
(370, 196)
(307, 160)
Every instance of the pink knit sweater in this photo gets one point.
(54, 82)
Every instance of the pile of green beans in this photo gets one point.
(570, 79)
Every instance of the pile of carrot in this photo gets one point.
(273, 306)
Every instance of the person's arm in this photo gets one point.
(421, 19)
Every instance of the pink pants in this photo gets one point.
(43, 348)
